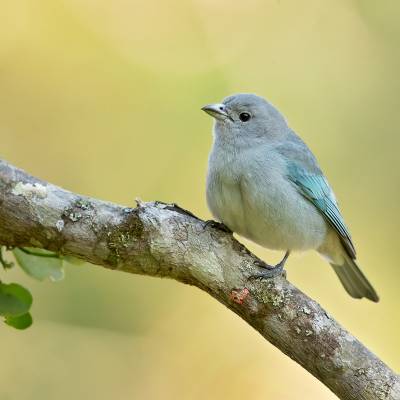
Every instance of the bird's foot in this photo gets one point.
(267, 271)
(217, 225)
(270, 271)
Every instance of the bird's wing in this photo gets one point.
(314, 187)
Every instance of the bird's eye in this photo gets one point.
(244, 116)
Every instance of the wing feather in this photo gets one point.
(316, 189)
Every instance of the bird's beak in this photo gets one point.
(217, 111)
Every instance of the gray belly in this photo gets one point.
(266, 209)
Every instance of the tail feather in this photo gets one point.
(354, 281)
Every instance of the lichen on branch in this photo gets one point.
(163, 240)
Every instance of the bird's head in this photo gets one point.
(247, 117)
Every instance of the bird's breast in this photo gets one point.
(253, 197)
(224, 198)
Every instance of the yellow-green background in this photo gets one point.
(103, 98)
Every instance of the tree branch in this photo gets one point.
(164, 240)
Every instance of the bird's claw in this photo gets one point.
(217, 225)
(268, 271)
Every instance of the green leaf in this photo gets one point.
(6, 264)
(73, 261)
(42, 265)
(21, 322)
(15, 300)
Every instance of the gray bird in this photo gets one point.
(265, 184)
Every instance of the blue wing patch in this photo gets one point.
(316, 189)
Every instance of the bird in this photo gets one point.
(265, 184)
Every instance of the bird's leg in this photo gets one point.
(270, 271)
(217, 225)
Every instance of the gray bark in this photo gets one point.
(164, 240)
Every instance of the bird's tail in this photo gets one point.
(354, 281)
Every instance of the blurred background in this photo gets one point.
(103, 98)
